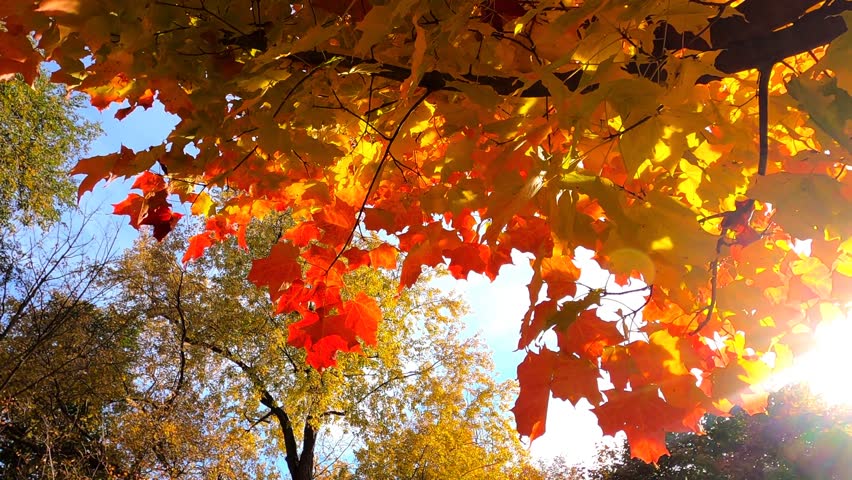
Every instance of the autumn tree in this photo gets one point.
(63, 357)
(696, 147)
(223, 385)
(456, 429)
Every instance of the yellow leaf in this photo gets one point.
(815, 275)
(203, 205)
(806, 204)
(829, 107)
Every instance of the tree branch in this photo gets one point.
(744, 42)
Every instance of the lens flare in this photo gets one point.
(825, 367)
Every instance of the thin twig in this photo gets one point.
(375, 178)
(714, 281)
(204, 9)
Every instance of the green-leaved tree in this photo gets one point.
(41, 135)
(800, 438)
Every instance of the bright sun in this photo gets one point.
(824, 368)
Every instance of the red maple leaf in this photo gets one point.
(130, 206)
(531, 405)
(575, 378)
(323, 336)
(620, 366)
(644, 417)
(528, 234)
(151, 210)
(568, 377)
(469, 257)
(588, 335)
(356, 258)
(535, 321)
(162, 218)
(149, 182)
(425, 246)
(277, 270)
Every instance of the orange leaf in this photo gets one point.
(384, 256)
(588, 335)
(336, 221)
(425, 246)
(302, 234)
(277, 270)
(197, 245)
(58, 7)
(122, 163)
(561, 276)
(323, 336)
(531, 405)
(643, 416)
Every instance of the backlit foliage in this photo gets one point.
(465, 130)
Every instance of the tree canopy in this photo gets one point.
(145, 368)
(215, 346)
(64, 354)
(41, 136)
(698, 148)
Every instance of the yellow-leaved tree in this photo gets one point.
(222, 392)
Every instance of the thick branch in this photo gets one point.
(744, 42)
(764, 46)
(306, 462)
(435, 80)
(291, 448)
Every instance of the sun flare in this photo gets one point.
(824, 368)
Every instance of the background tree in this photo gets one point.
(42, 135)
(799, 437)
(457, 427)
(64, 355)
(217, 370)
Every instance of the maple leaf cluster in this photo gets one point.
(463, 131)
(152, 208)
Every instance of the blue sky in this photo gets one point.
(496, 307)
